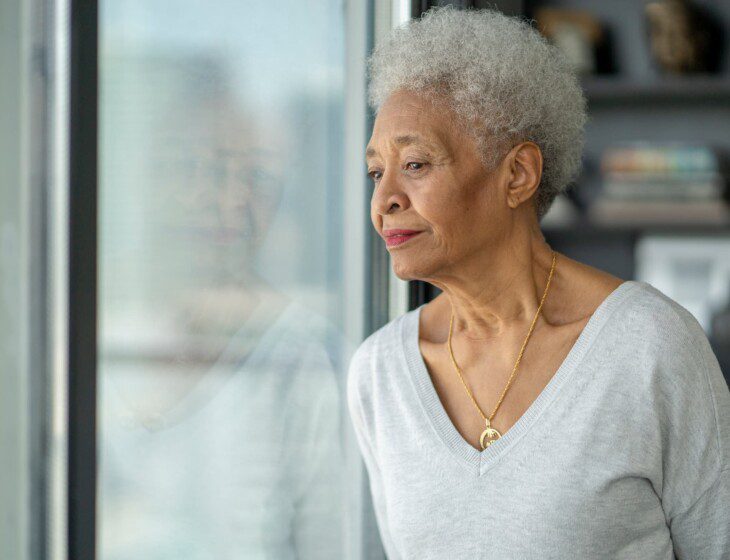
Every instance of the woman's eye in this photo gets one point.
(372, 175)
(375, 175)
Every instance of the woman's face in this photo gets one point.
(427, 176)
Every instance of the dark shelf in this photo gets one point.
(585, 226)
(700, 88)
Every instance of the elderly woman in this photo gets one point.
(538, 407)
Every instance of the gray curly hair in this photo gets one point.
(497, 73)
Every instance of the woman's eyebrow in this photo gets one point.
(402, 140)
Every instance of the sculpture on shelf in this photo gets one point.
(577, 33)
(683, 38)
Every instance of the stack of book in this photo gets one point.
(665, 183)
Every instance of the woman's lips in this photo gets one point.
(395, 240)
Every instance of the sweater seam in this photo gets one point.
(703, 494)
(708, 387)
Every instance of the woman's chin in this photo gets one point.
(406, 269)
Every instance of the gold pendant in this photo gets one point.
(490, 433)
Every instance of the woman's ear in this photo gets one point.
(525, 171)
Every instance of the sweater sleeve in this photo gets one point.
(696, 463)
(702, 531)
(358, 373)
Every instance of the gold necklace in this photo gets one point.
(490, 433)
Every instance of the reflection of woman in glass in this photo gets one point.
(221, 426)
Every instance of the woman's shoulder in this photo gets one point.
(633, 306)
(382, 346)
(663, 339)
(652, 317)
(687, 393)
(383, 339)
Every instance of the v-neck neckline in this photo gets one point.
(465, 453)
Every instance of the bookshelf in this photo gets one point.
(609, 90)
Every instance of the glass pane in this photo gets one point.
(29, 446)
(14, 309)
(222, 356)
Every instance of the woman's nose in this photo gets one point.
(389, 194)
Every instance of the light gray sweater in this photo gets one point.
(624, 454)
